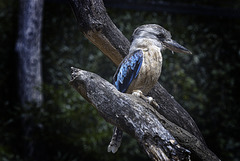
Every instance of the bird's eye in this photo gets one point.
(161, 36)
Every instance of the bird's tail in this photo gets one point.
(115, 141)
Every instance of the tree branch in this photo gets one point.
(131, 114)
(134, 116)
(97, 27)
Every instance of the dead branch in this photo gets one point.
(136, 117)
(130, 114)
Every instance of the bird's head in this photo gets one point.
(160, 36)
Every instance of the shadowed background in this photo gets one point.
(66, 127)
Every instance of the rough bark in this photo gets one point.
(131, 114)
(97, 26)
(28, 48)
(99, 29)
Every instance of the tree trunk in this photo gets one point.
(28, 48)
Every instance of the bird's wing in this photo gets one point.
(128, 70)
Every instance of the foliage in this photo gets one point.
(68, 128)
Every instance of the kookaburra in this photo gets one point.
(141, 68)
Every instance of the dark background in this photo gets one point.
(67, 128)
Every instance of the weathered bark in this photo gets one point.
(130, 114)
(136, 117)
(100, 30)
(28, 48)
(97, 26)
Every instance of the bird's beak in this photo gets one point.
(174, 46)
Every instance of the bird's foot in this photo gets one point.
(152, 102)
(137, 93)
(149, 100)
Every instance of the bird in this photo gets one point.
(140, 70)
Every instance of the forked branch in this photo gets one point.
(97, 26)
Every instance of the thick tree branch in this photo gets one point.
(130, 114)
(139, 119)
(97, 27)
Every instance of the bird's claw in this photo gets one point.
(149, 100)
(152, 102)
(137, 93)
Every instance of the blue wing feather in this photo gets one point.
(128, 70)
